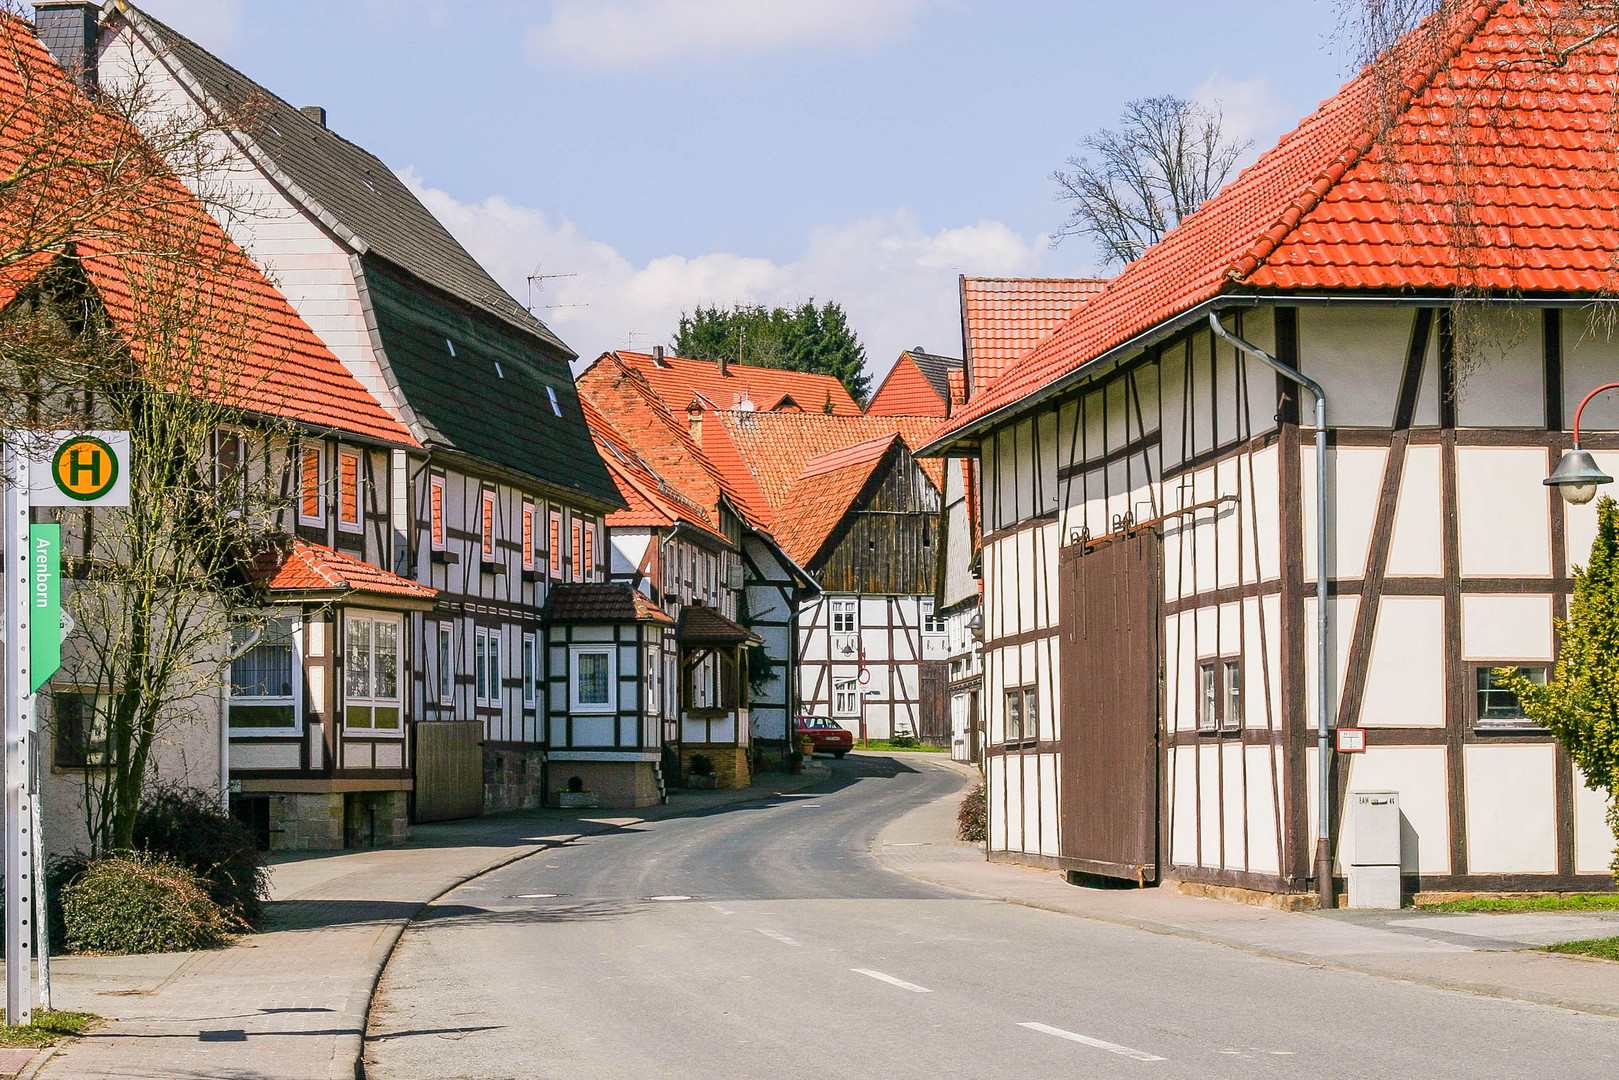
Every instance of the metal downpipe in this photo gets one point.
(1323, 845)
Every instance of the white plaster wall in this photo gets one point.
(1505, 385)
(1511, 798)
(1503, 627)
(1234, 800)
(1341, 612)
(1417, 547)
(1418, 773)
(1593, 840)
(1208, 803)
(1503, 514)
(1580, 522)
(1590, 358)
(1405, 679)
(1183, 806)
(1357, 353)
(1264, 766)
(1354, 484)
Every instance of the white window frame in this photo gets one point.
(486, 648)
(438, 531)
(446, 663)
(531, 670)
(358, 457)
(597, 708)
(297, 725)
(372, 701)
(931, 623)
(846, 697)
(845, 607)
(318, 448)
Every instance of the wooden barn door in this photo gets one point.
(934, 706)
(1110, 656)
(449, 770)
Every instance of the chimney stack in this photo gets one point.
(69, 28)
(657, 356)
(317, 113)
(694, 415)
(725, 368)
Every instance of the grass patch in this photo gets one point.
(1603, 948)
(1562, 902)
(890, 748)
(49, 1028)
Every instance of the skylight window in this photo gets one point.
(448, 344)
(552, 394)
(499, 373)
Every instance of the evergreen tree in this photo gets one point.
(1580, 703)
(803, 338)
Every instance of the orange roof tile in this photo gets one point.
(821, 497)
(653, 501)
(1003, 318)
(280, 367)
(907, 391)
(305, 567)
(677, 380)
(1320, 211)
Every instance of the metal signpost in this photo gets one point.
(68, 469)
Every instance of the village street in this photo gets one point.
(768, 941)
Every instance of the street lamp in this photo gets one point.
(1577, 474)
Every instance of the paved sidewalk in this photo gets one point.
(291, 1003)
(1483, 954)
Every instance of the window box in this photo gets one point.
(490, 567)
(577, 800)
(447, 557)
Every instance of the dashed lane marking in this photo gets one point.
(891, 981)
(783, 938)
(1086, 1040)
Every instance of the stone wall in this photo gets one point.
(375, 818)
(306, 821)
(731, 769)
(620, 785)
(513, 779)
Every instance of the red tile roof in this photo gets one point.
(776, 448)
(905, 391)
(1321, 211)
(262, 356)
(678, 379)
(822, 495)
(1003, 318)
(300, 566)
(653, 501)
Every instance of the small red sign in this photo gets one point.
(1351, 740)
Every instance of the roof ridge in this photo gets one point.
(1325, 180)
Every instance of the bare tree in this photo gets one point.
(1166, 158)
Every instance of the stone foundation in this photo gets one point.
(619, 785)
(731, 769)
(513, 779)
(334, 820)
(375, 819)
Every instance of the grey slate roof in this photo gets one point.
(351, 184)
(936, 370)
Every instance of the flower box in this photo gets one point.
(576, 800)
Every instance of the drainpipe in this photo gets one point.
(1323, 842)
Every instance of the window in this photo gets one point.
(845, 697)
(446, 663)
(486, 666)
(844, 616)
(1014, 716)
(80, 734)
(348, 490)
(311, 494)
(1231, 717)
(591, 682)
(435, 511)
(1208, 700)
(1031, 715)
(263, 677)
(486, 524)
(556, 407)
(530, 671)
(371, 673)
(574, 554)
(590, 552)
(1499, 707)
(931, 623)
(528, 535)
(556, 545)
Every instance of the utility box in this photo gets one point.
(1374, 865)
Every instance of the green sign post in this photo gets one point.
(44, 603)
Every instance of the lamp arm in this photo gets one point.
(1584, 403)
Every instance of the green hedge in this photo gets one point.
(141, 902)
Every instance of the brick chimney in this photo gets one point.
(657, 357)
(69, 28)
(694, 416)
(317, 113)
(724, 366)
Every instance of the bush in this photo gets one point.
(191, 827)
(701, 765)
(576, 785)
(904, 740)
(972, 820)
(141, 902)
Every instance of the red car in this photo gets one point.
(826, 736)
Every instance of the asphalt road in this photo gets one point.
(765, 941)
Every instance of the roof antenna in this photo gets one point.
(542, 279)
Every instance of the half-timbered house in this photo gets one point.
(509, 498)
(1154, 683)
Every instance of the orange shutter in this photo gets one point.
(590, 552)
(348, 501)
(556, 545)
(309, 482)
(574, 552)
(528, 536)
(435, 500)
(489, 525)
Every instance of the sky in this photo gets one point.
(660, 154)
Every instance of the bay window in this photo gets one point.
(593, 682)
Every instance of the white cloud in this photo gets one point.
(215, 24)
(1250, 109)
(896, 281)
(621, 33)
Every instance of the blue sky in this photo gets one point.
(675, 152)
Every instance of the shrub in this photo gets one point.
(190, 826)
(701, 765)
(576, 785)
(904, 740)
(141, 902)
(972, 820)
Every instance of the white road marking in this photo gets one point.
(671, 896)
(536, 896)
(891, 981)
(783, 938)
(1112, 1048)
(722, 911)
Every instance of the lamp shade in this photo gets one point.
(1577, 476)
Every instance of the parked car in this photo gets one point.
(826, 736)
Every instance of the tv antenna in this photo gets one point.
(536, 283)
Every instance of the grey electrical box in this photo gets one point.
(1374, 864)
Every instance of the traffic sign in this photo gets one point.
(80, 468)
(44, 603)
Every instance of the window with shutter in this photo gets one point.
(311, 497)
(435, 510)
(349, 517)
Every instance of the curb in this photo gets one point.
(350, 1050)
(31, 1070)
(1303, 959)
